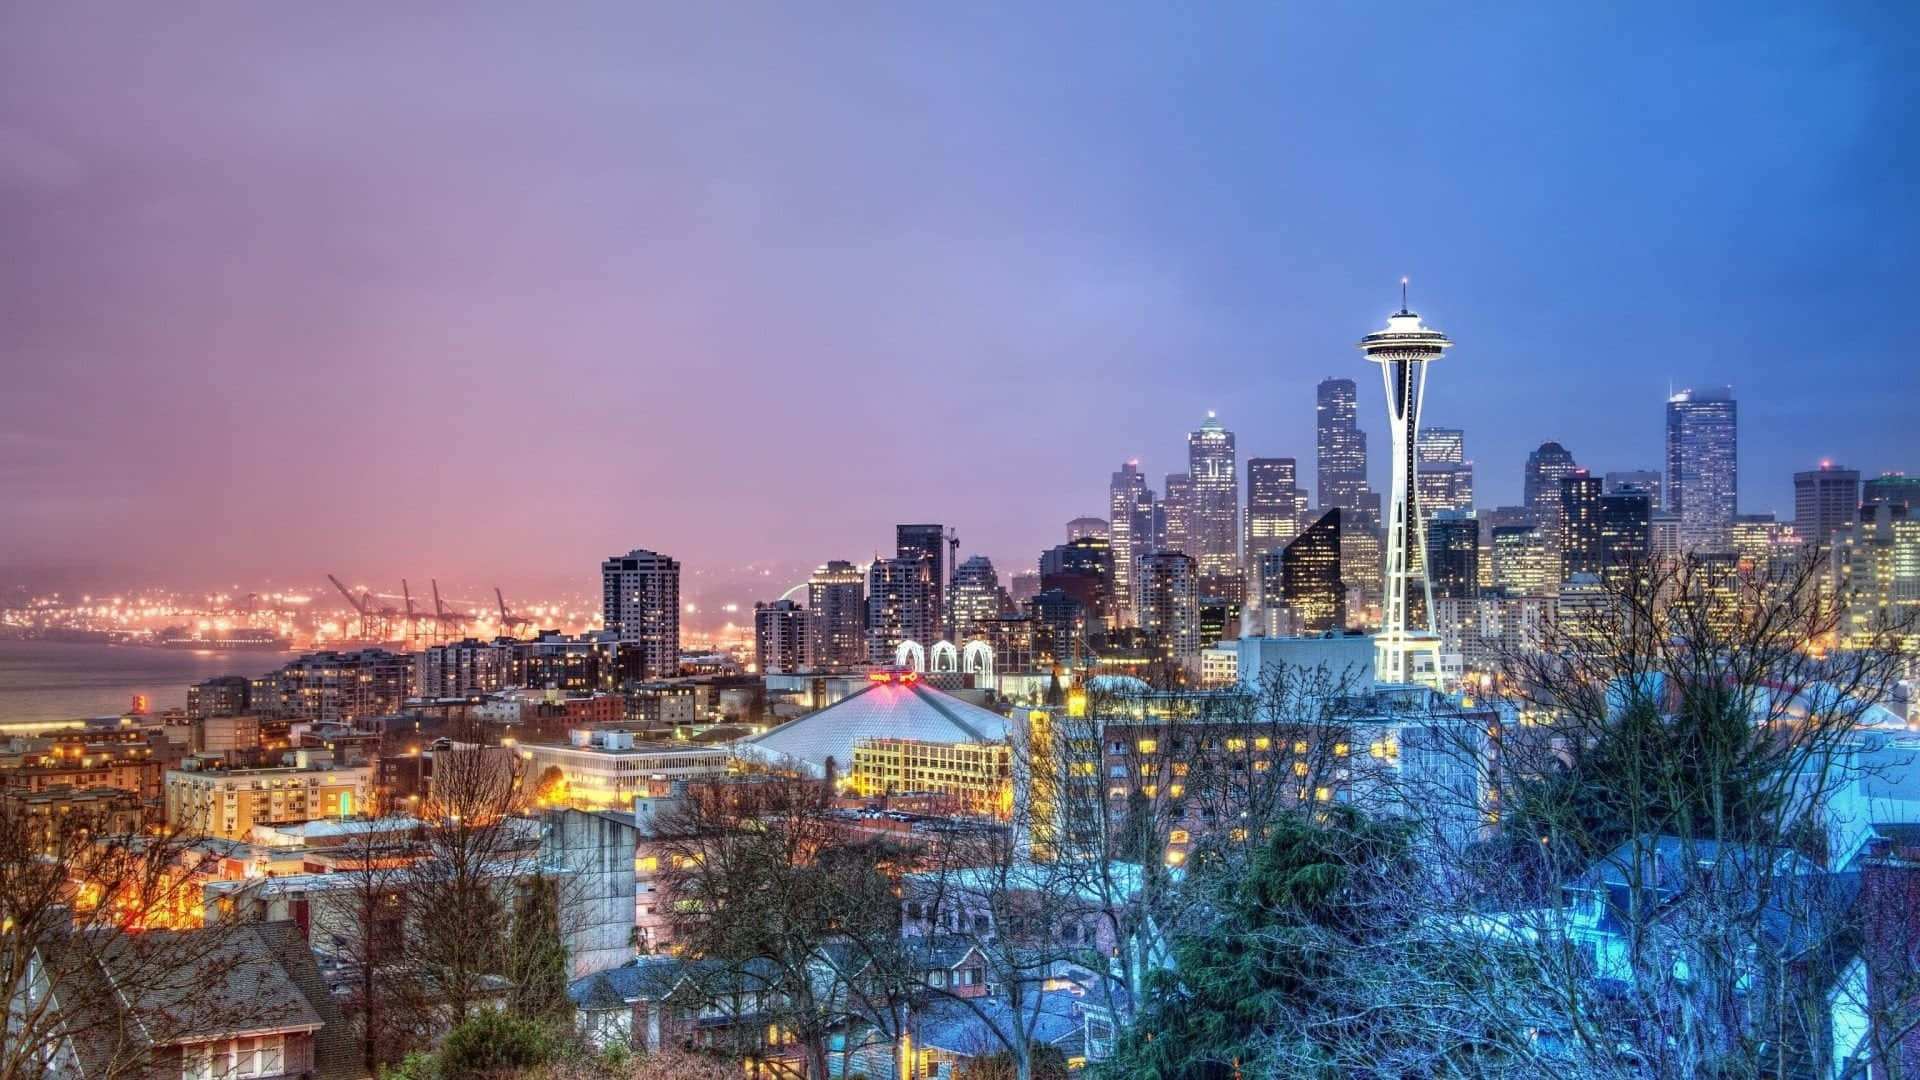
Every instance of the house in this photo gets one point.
(243, 1002)
(660, 1001)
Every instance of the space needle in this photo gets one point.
(1403, 351)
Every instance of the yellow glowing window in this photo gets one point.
(1263, 743)
(1148, 746)
(1178, 836)
(1236, 744)
(1262, 765)
(1300, 747)
(1083, 768)
(1179, 768)
(1146, 770)
(1174, 791)
(1237, 835)
(649, 863)
(1340, 749)
(1322, 794)
(1150, 790)
(1299, 768)
(1175, 858)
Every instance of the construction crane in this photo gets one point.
(508, 622)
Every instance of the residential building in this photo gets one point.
(336, 687)
(228, 803)
(900, 606)
(1170, 606)
(641, 607)
(779, 636)
(465, 668)
(837, 616)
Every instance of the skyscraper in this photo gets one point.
(1703, 465)
(928, 544)
(1520, 560)
(1403, 350)
(1274, 503)
(1309, 580)
(1540, 491)
(1825, 500)
(640, 603)
(1890, 489)
(837, 616)
(1342, 446)
(779, 636)
(1213, 523)
(1175, 518)
(1453, 554)
(1130, 532)
(1083, 569)
(1445, 476)
(1603, 533)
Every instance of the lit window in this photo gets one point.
(649, 863)
(1299, 768)
(1148, 746)
(1263, 743)
(1300, 747)
(1322, 794)
(1340, 749)
(1237, 835)
(1179, 768)
(1174, 791)
(1177, 836)
(1175, 858)
(1236, 745)
(1150, 790)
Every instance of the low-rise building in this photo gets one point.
(230, 802)
(605, 769)
(977, 775)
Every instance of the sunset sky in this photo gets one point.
(499, 289)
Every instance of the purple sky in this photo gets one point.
(497, 290)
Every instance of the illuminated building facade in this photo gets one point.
(1891, 489)
(1173, 515)
(1060, 627)
(1407, 644)
(1876, 573)
(779, 637)
(1275, 505)
(222, 695)
(1520, 561)
(464, 668)
(1130, 533)
(927, 544)
(977, 599)
(1453, 554)
(1309, 583)
(1083, 569)
(1703, 465)
(900, 606)
(640, 604)
(1634, 482)
(1825, 500)
(606, 769)
(228, 803)
(1541, 493)
(1601, 533)
(1341, 463)
(837, 616)
(1213, 525)
(336, 687)
(1445, 476)
(1084, 528)
(978, 776)
(1170, 607)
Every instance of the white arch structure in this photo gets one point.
(910, 655)
(944, 657)
(977, 658)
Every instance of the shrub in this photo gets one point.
(491, 1042)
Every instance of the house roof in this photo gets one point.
(133, 993)
(882, 710)
(980, 1025)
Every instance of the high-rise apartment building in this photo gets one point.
(1603, 533)
(1173, 520)
(977, 598)
(1876, 573)
(640, 604)
(1703, 465)
(837, 616)
(900, 606)
(336, 687)
(927, 543)
(1170, 606)
(779, 637)
(1213, 523)
(1130, 532)
(1825, 500)
(1341, 445)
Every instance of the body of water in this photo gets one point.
(50, 680)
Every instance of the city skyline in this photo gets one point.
(231, 280)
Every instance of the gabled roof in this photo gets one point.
(882, 710)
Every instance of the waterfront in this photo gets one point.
(47, 680)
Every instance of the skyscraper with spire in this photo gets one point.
(1403, 350)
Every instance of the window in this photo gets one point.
(1236, 745)
(1177, 836)
(1148, 746)
(649, 863)
(1263, 743)
(1179, 768)
(1299, 768)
